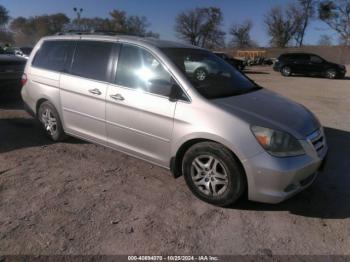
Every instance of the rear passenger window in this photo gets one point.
(139, 69)
(54, 55)
(303, 58)
(92, 60)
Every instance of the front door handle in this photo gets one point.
(117, 97)
(95, 91)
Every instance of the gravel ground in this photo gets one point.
(79, 198)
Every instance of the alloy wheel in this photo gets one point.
(331, 74)
(209, 175)
(286, 71)
(49, 121)
(201, 75)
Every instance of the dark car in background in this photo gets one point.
(11, 71)
(17, 51)
(26, 50)
(308, 64)
(237, 63)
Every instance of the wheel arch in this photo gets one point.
(176, 161)
(39, 103)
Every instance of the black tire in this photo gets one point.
(200, 74)
(286, 71)
(331, 73)
(56, 132)
(235, 182)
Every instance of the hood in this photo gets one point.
(268, 109)
(335, 65)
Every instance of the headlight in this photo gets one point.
(277, 143)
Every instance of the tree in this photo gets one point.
(27, 31)
(282, 25)
(336, 14)
(90, 24)
(325, 40)
(201, 27)
(4, 16)
(119, 22)
(137, 25)
(6, 36)
(241, 34)
(305, 11)
(132, 25)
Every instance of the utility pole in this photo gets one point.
(78, 11)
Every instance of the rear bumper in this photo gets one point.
(273, 180)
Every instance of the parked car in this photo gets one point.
(225, 134)
(26, 50)
(14, 51)
(237, 63)
(199, 68)
(11, 71)
(308, 64)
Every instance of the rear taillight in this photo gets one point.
(24, 79)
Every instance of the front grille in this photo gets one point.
(317, 140)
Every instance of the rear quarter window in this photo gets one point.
(54, 55)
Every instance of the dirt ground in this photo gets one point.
(79, 198)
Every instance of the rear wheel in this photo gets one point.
(213, 174)
(286, 71)
(331, 74)
(200, 74)
(50, 121)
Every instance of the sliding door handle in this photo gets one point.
(95, 91)
(117, 97)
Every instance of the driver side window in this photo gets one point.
(316, 59)
(139, 69)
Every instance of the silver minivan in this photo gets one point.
(210, 123)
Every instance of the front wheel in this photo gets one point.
(213, 174)
(286, 71)
(331, 74)
(50, 121)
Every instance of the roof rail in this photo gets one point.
(93, 32)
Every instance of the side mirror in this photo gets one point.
(176, 93)
(166, 88)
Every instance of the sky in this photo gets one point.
(161, 13)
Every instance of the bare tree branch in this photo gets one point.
(336, 14)
(241, 34)
(282, 25)
(201, 27)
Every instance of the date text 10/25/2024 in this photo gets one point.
(173, 258)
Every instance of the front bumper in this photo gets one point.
(277, 66)
(273, 180)
(342, 73)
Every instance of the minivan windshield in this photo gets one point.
(210, 75)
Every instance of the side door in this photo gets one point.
(139, 114)
(83, 90)
(301, 64)
(317, 64)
